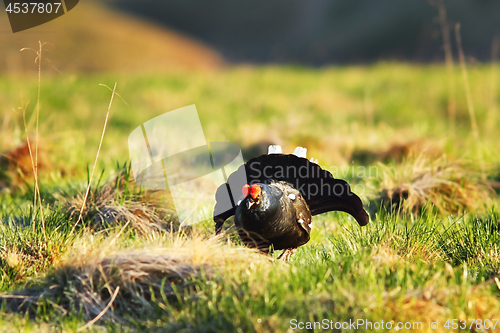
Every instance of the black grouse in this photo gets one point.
(280, 194)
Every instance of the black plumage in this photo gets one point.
(281, 193)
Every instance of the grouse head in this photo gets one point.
(252, 195)
(260, 202)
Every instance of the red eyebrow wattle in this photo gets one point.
(255, 191)
(245, 190)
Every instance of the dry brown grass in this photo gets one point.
(134, 281)
(16, 166)
(397, 151)
(420, 305)
(449, 186)
(118, 202)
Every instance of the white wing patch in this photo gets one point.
(301, 221)
(274, 149)
(239, 201)
(291, 196)
(300, 152)
(313, 160)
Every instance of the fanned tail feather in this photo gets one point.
(322, 192)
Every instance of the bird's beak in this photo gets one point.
(249, 204)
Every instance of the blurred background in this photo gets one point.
(140, 35)
(324, 31)
(355, 81)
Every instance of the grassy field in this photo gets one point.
(127, 266)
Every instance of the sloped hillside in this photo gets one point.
(93, 38)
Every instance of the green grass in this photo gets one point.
(404, 266)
